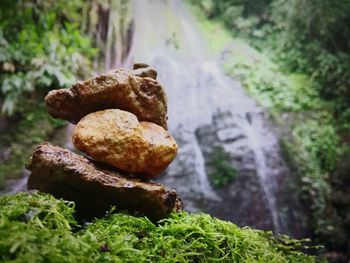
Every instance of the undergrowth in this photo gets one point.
(39, 228)
(263, 79)
(20, 138)
(311, 141)
(312, 144)
(41, 48)
(221, 172)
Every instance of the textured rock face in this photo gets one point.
(117, 138)
(95, 189)
(135, 91)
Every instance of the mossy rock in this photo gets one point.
(39, 228)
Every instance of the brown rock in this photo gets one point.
(95, 189)
(140, 65)
(117, 138)
(135, 91)
(144, 70)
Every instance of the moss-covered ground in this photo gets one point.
(39, 228)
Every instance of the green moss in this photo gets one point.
(22, 136)
(221, 171)
(39, 228)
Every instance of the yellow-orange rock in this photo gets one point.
(117, 138)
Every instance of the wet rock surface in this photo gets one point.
(144, 70)
(261, 175)
(197, 88)
(95, 187)
(135, 91)
(117, 138)
(126, 152)
(245, 193)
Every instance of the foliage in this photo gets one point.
(301, 75)
(221, 171)
(41, 48)
(266, 82)
(21, 137)
(313, 151)
(316, 21)
(330, 72)
(313, 146)
(243, 16)
(39, 228)
(305, 37)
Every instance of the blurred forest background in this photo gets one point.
(292, 56)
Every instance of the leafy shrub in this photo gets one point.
(329, 72)
(41, 48)
(264, 80)
(21, 137)
(309, 38)
(221, 171)
(314, 151)
(313, 39)
(39, 228)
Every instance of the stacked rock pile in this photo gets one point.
(121, 124)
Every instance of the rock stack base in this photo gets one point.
(95, 187)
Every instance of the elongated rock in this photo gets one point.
(93, 188)
(117, 138)
(135, 91)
